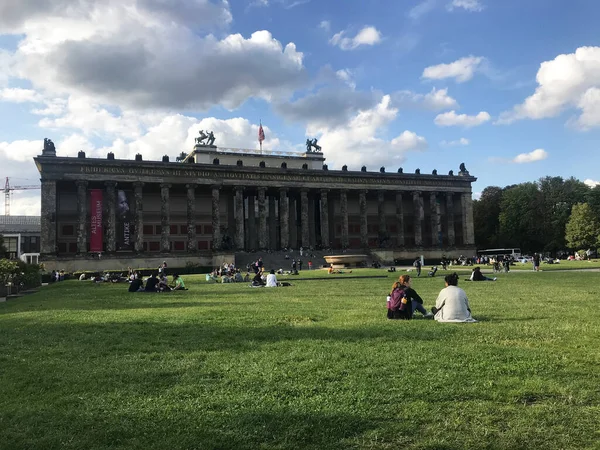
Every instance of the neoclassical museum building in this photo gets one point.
(214, 202)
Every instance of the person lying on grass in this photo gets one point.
(476, 275)
(332, 270)
(452, 304)
(179, 284)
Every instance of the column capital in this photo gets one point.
(236, 188)
(83, 183)
(262, 189)
(165, 185)
(283, 190)
(304, 190)
(324, 191)
(110, 184)
(138, 184)
(416, 192)
(191, 185)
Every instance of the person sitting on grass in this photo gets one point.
(414, 298)
(163, 283)
(272, 279)
(332, 270)
(238, 278)
(476, 275)
(137, 285)
(179, 284)
(152, 283)
(452, 304)
(257, 281)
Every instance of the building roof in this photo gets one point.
(20, 224)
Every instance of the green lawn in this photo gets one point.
(315, 365)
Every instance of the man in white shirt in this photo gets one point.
(452, 304)
(271, 279)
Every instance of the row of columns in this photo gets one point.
(264, 210)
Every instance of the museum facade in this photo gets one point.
(107, 213)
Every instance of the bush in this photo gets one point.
(20, 274)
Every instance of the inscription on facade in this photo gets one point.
(182, 173)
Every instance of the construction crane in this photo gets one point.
(8, 189)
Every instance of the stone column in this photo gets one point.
(364, 230)
(284, 218)
(165, 222)
(216, 217)
(293, 211)
(344, 213)
(381, 214)
(419, 217)
(239, 218)
(111, 216)
(262, 218)
(138, 230)
(304, 218)
(400, 220)
(468, 230)
(192, 245)
(436, 224)
(48, 217)
(312, 224)
(450, 218)
(81, 216)
(272, 223)
(251, 223)
(324, 219)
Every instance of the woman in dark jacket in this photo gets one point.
(411, 294)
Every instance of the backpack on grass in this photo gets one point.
(399, 305)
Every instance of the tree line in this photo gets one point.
(550, 215)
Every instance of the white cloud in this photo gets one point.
(469, 5)
(450, 119)
(125, 52)
(21, 150)
(325, 25)
(18, 95)
(422, 8)
(435, 100)
(367, 36)
(357, 141)
(592, 183)
(568, 81)
(346, 75)
(25, 203)
(457, 143)
(536, 155)
(462, 69)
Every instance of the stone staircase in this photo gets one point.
(276, 260)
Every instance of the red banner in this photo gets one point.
(96, 233)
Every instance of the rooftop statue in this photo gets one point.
(310, 144)
(49, 146)
(205, 139)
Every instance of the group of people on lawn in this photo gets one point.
(451, 305)
(157, 282)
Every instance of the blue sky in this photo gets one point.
(511, 88)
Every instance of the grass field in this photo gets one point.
(315, 365)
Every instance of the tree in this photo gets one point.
(558, 198)
(521, 217)
(2, 247)
(486, 217)
(583, 228)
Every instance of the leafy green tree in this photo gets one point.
(486, 217)
(583, 228)
(593, 199)
(558, 197)
(521, 218)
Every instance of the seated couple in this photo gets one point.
(270, 281)
(452, 304)
(156, 284)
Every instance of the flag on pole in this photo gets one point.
(261, 135)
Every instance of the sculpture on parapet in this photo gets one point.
(49, 147)
(181, 157)
(205, 139)
(312, 144)
(463, 170)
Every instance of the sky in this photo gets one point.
(509, 87)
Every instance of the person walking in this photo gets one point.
(417, 265)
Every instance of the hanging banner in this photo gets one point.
(96, 232)
(124, 220)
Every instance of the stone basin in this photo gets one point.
(341, 261)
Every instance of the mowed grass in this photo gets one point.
(315, 365)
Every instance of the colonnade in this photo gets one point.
(269, 199)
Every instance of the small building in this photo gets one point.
(215, 202)
(22, 236)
